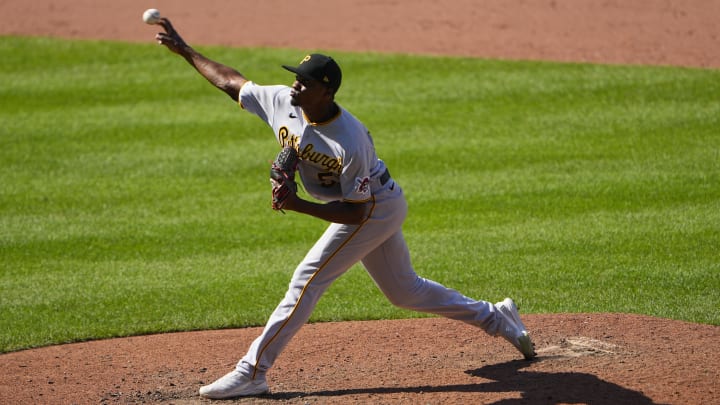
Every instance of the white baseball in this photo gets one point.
(151, 16)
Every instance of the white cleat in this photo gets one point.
(232, 385)
(513, 330)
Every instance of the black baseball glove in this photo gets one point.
(282, 176)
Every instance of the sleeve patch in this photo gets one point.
(362, 185)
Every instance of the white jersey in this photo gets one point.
(337, 157)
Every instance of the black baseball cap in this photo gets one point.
(319, 67)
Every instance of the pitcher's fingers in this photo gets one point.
(165, 22)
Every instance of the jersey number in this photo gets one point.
(326, 179)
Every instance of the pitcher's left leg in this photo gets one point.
(324, 263)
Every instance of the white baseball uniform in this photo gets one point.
(339, 162)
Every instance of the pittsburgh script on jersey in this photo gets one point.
(308, 153)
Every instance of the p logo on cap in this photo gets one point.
(319, 67)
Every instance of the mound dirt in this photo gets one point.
(582, 358)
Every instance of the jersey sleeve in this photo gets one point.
(355, 177)
(260, 100)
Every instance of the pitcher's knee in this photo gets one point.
(406, 299)
(406, 304)
(424, 295)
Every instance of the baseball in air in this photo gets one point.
(151, 16)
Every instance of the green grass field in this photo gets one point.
(134, 196)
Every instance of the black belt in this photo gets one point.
(384, 177)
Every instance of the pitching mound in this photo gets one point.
(583, 358)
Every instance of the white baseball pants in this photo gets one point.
(379, 245)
